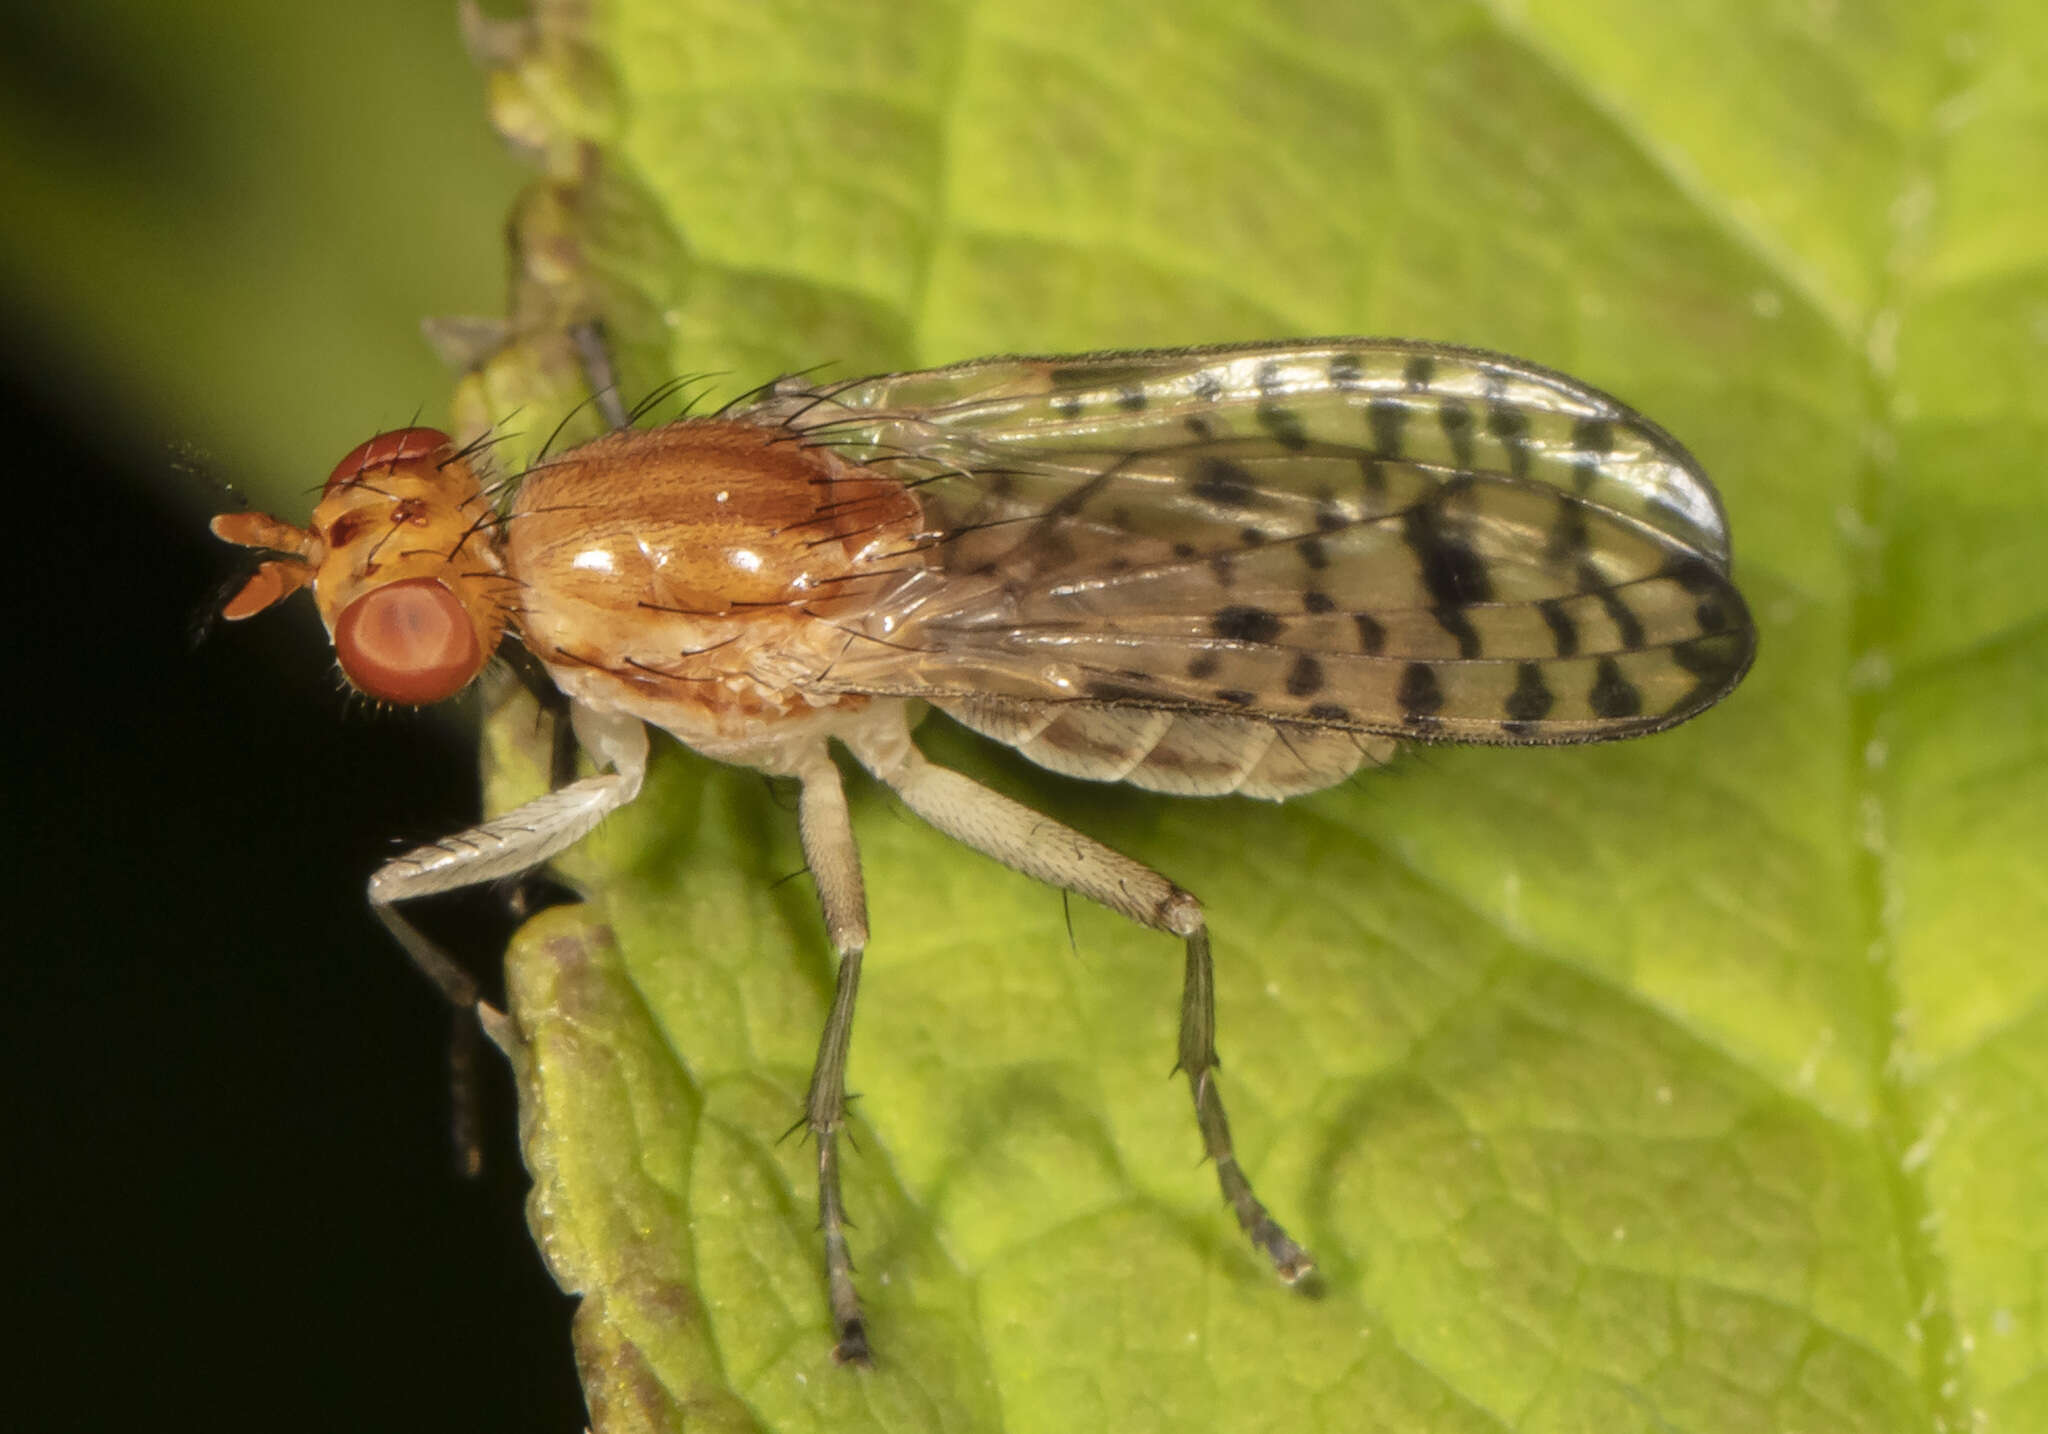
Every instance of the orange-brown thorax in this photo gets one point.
(402, 559)
(682, 573)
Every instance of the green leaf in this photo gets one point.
(1699, 1083)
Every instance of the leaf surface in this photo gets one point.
(1698, 1083)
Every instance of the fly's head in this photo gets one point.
(402, 557)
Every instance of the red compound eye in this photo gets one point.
(388, 450)
(408, 642)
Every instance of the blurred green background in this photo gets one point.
(230, 218)
(225, 221)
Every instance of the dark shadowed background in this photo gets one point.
(233, 1198)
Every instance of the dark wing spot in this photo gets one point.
(1329, 712)
(1251, 537)
(1314, 600)
(1511, 427)
(1330, 514)
(1313, 553)
(1451, 571)
(1419, 694)
(1305, 678)
(1131, 399)
(1347, 371)
(1626, 623)
(1705, 582)
(1421, 370)
(1715, 661)
(1246, 624)
(1386, 417)
(1267, 375)
(1371, 636)
(1454, 621)
(1563, 630)
(1066, 405)
(1613, 695)
(1202, 666)
(1207, 385)
(1593, 440)
(1567, 537)
(1373, 478)
(1224, 483)
(1200, 426)
(1454, 415)
(1285, 425)
(1532, 698)
(1235, 696)
(1223, 569)
(1695, 574)
(1183, 551)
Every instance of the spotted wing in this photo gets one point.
(1398, 539)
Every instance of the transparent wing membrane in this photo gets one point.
(1398, 539)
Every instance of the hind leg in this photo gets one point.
(1038, 846)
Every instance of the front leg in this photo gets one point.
(523, 838)
(507, 845)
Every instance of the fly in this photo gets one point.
(1249, 570)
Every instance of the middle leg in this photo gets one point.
(834, 861)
